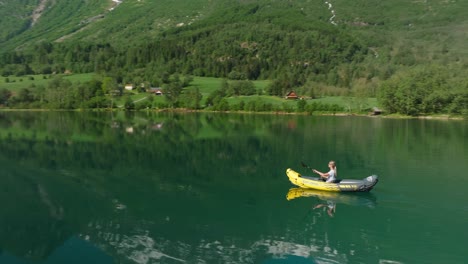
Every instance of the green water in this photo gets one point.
(211, 188)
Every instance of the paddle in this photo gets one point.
(306, 166)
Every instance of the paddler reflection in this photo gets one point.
(330, 207)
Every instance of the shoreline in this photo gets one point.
(183, 110)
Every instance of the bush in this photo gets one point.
(129, 104)
(301, 106)
(143, 105)
(223, 105)
(287, 108)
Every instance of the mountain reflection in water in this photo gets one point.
(209, 188)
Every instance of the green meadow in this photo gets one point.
(14, 83)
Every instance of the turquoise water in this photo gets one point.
(211, 188)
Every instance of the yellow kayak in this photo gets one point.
(345, 185)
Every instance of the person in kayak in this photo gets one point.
(329, 176)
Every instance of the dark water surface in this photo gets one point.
(211, 188)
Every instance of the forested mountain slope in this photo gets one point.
(437, 23)
(336, 46)
(123, 21)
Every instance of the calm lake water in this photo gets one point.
(211, 188)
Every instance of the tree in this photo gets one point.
(422, 90)
(187, 80)
(172, 92)
(223, 105)
(275, 88)
(25, 95)
(108, 85)
(301, 105)
(151, 100)
(246, 88)
(129, 104)
(215, 96)
(192, 98)
(59, 93)
(5, 94)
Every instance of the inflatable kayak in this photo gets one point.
(344, 185)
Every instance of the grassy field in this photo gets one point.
(206, 84)
(209, 84)
(274, 100)
(14, 83)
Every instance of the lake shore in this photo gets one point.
(184, 110)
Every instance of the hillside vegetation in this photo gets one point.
(314, 47)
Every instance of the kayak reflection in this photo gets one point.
(330, 199)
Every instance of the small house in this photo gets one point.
(376, 111)
(156, 90)
(128, 87)
(292, 95)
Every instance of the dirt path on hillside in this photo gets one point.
(38, 11)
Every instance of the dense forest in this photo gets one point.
(300, 46)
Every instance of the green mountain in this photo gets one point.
(409, 32)
(95, 20)
(315, 46)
